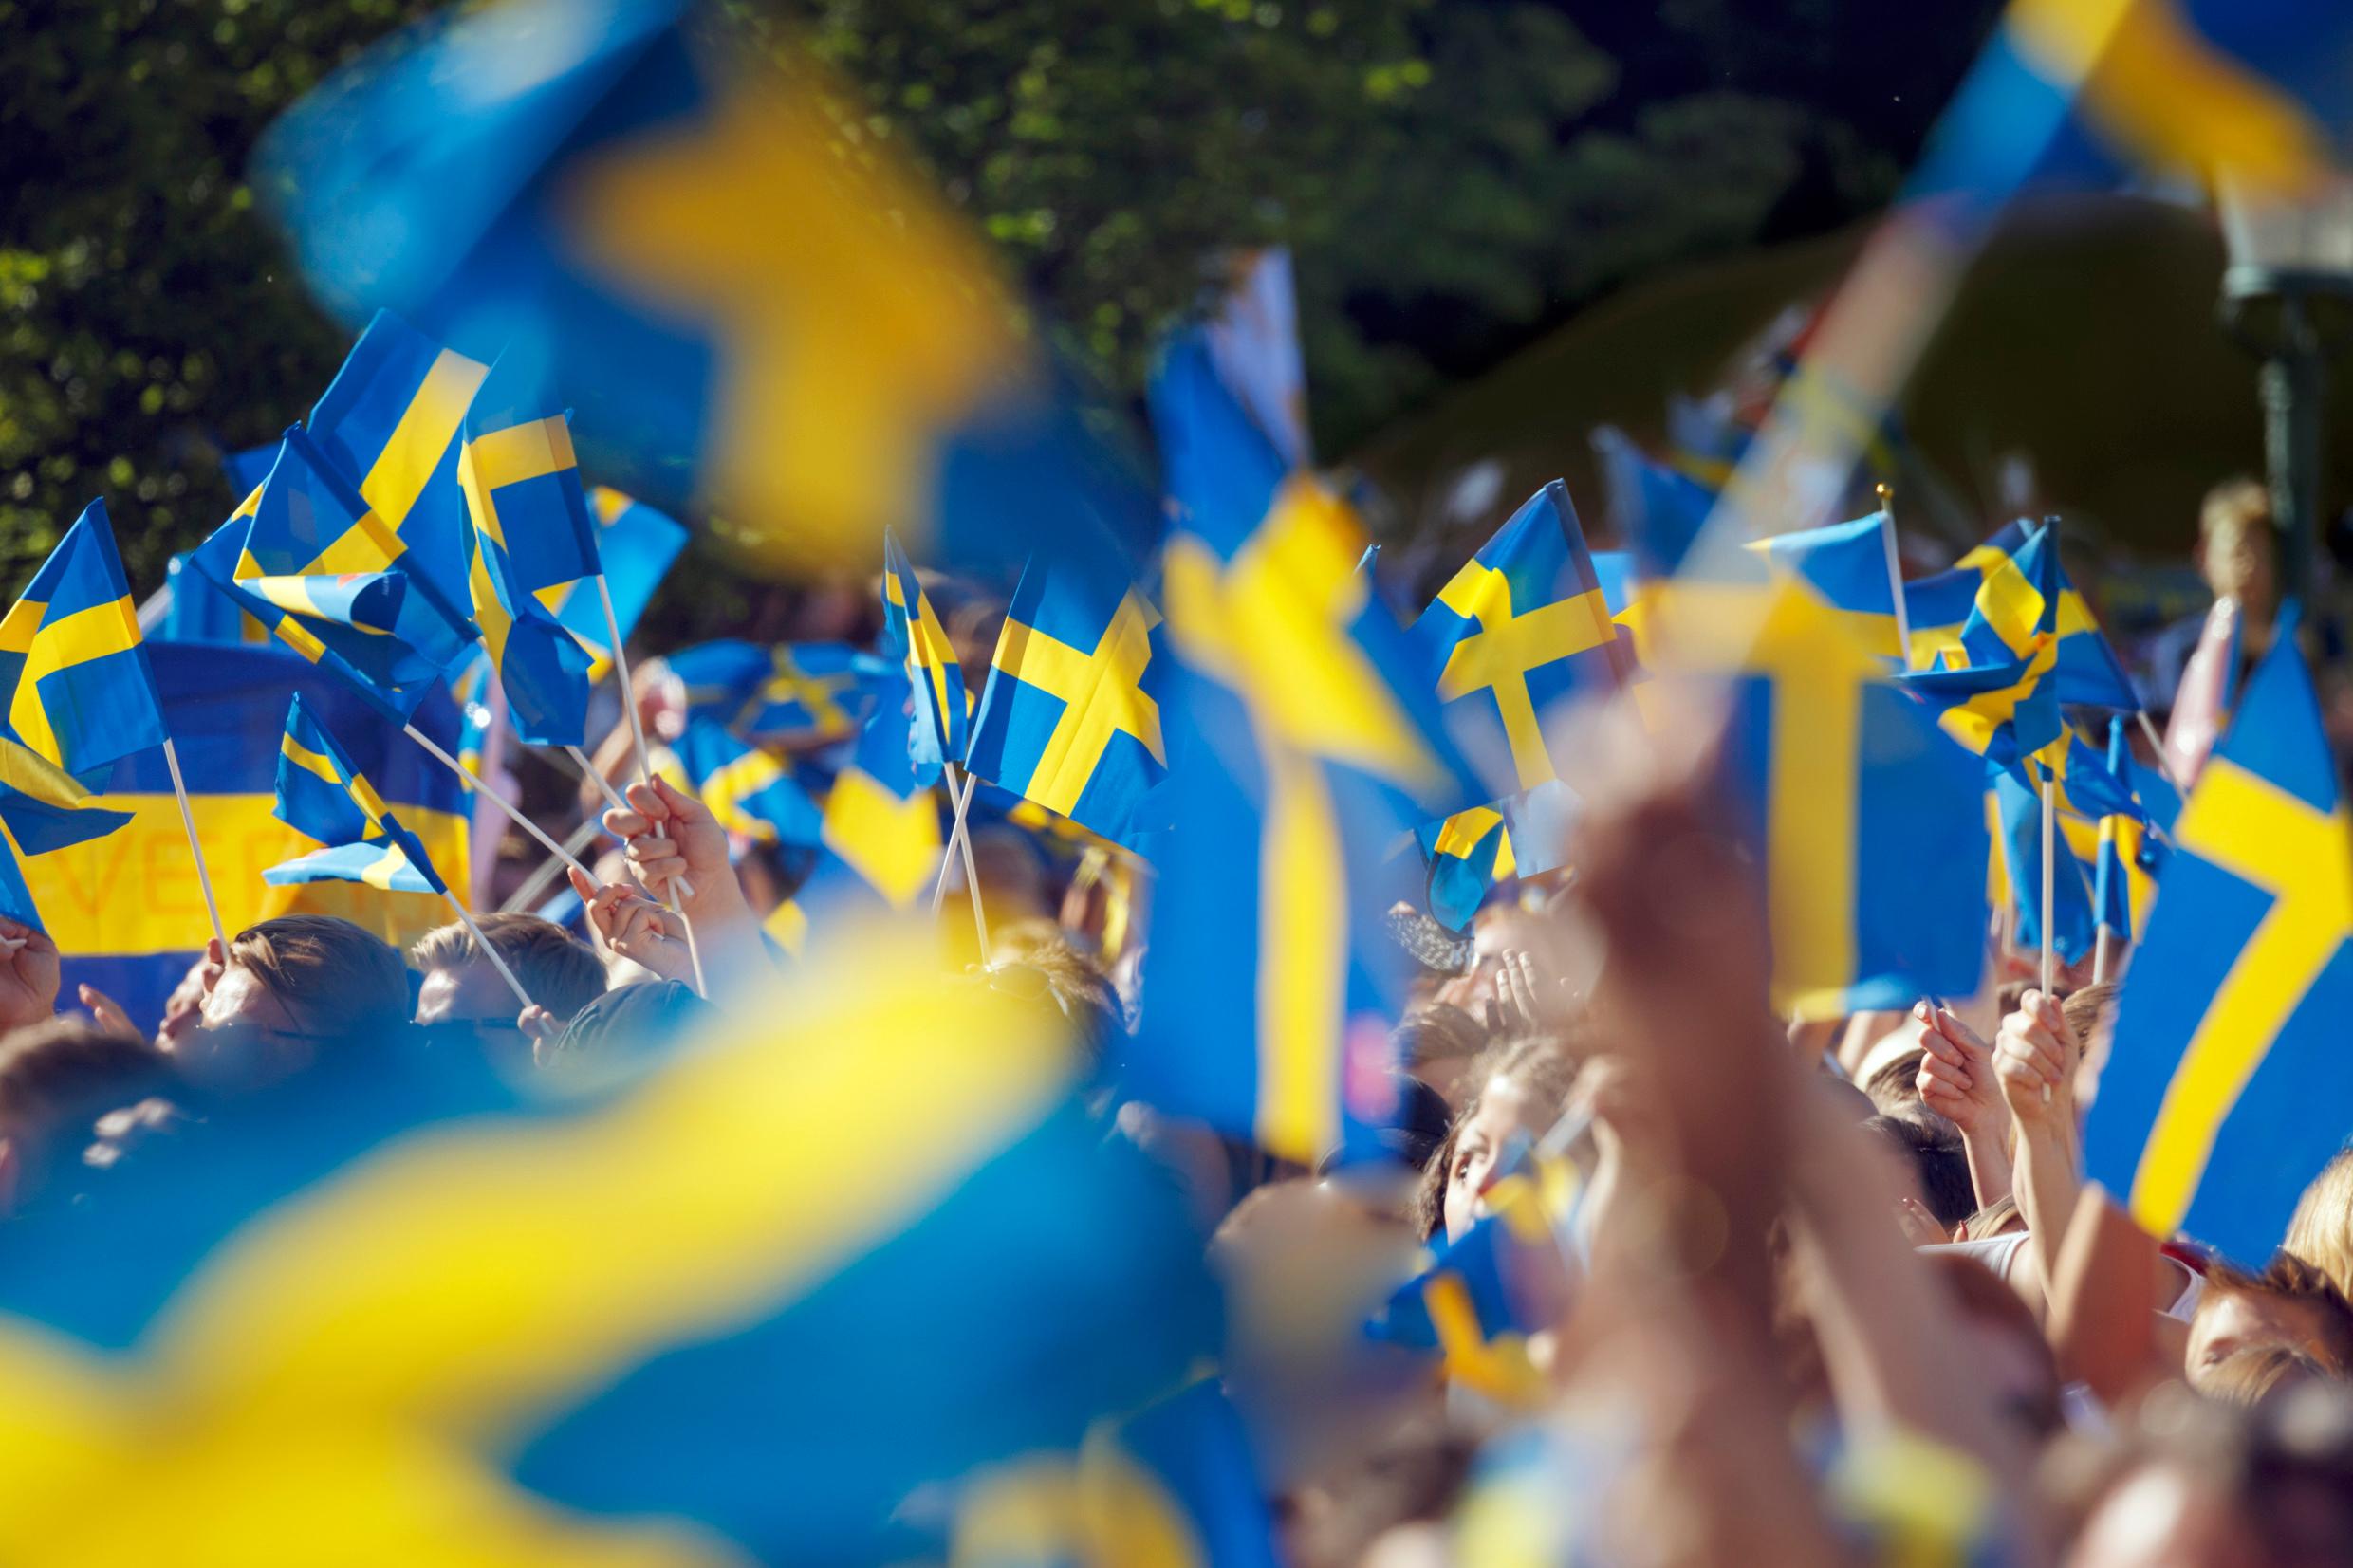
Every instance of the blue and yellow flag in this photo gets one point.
(1848, 565)
(759, 320)
(1939, 608)
(306, 556)
(323, 796)
(1309, 741)
(812, 1244)
(126, 910)
(195, 610)
(814, 693)
(70, 654)
(1468, 855)
(2228, 1085)
(912, 631)
(1654, 511)
(1998, 692)
(635, 545)
(880, 830)
(1503, 1279)
(390, 424)
(748, 789)
(530, 536)
(2111, 882)
(1859, 804)
(1521, 627)
(2073, 920)
(1071, 717)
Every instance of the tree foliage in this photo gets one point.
(1451, 174)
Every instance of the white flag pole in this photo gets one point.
(514, 812)
(195, 848)
(955, 833)
(1895, 576)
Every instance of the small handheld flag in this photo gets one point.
(321, 794)
(912, 630)
(71, 654)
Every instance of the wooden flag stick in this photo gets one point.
(514, 812)
(2099, 957)
(187, 821)
(2050, 867)
(490, 952)
(971, 872)
(956, 832)
(1895, 576)
(693, 948)
(2157, 749)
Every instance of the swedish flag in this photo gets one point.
(2227, 1087)
(321, 794)
(2002, 702)
(814, 1248)
(1939, 609)
(2073, 920)
(880, 830)
(634, 546)
(1503, 1279)
(1468, 855)
(71, 654)
(1842, 775)
(391, 424)
(814, 692)
(813, 345)
(912, 630)
(1848, 567)
(1521, 627)
(306, 556)
(2111, 883)
(1656, 510)
(531, 535)
(717, 678)
(1309, 740)
(1071, 717)
(746, 789)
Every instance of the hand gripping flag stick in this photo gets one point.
(613, 799)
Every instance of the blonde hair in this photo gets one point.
(2322, 1231)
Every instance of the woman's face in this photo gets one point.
(1503, 1111)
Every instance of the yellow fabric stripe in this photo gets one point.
(1302, 961)
(2264, 835)
(308, 761)
(532, 450)
(893, 843)
(77, 639)
(1102, 695)
(19, 626)
(396, 1314)
(1460, 833)
(426, 428)
(367, 545)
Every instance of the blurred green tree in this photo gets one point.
(1451, 174)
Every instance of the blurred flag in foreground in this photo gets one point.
(1071, 717)
(1521, 627)
(1859, 805)
(1309, 741)
(813, 1244)
(754, 313)
(320, 794)
(2228, 1085)
(126, 911)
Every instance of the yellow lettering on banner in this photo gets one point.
(134, 891)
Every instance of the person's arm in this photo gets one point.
(1957, 1081)
(2034, 1060)
(654, 938)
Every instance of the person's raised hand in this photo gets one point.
(1956, 1077)
(674, 843)
(106, 1012)
(634, 926)
(2034, 1059)
(29, 975)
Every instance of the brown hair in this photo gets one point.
(334, 977)
(2253, 1374)
(58, 1077)
(1540, 1065)
(2085, 1008)
(562, 973)
(2290, 1279)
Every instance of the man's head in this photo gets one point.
(292, 983)
(2236, 545)
(57, 1080)
(1933, 1158)
(2290, 1304)
(461, 992)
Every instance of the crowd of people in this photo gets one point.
(1819, 1292)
